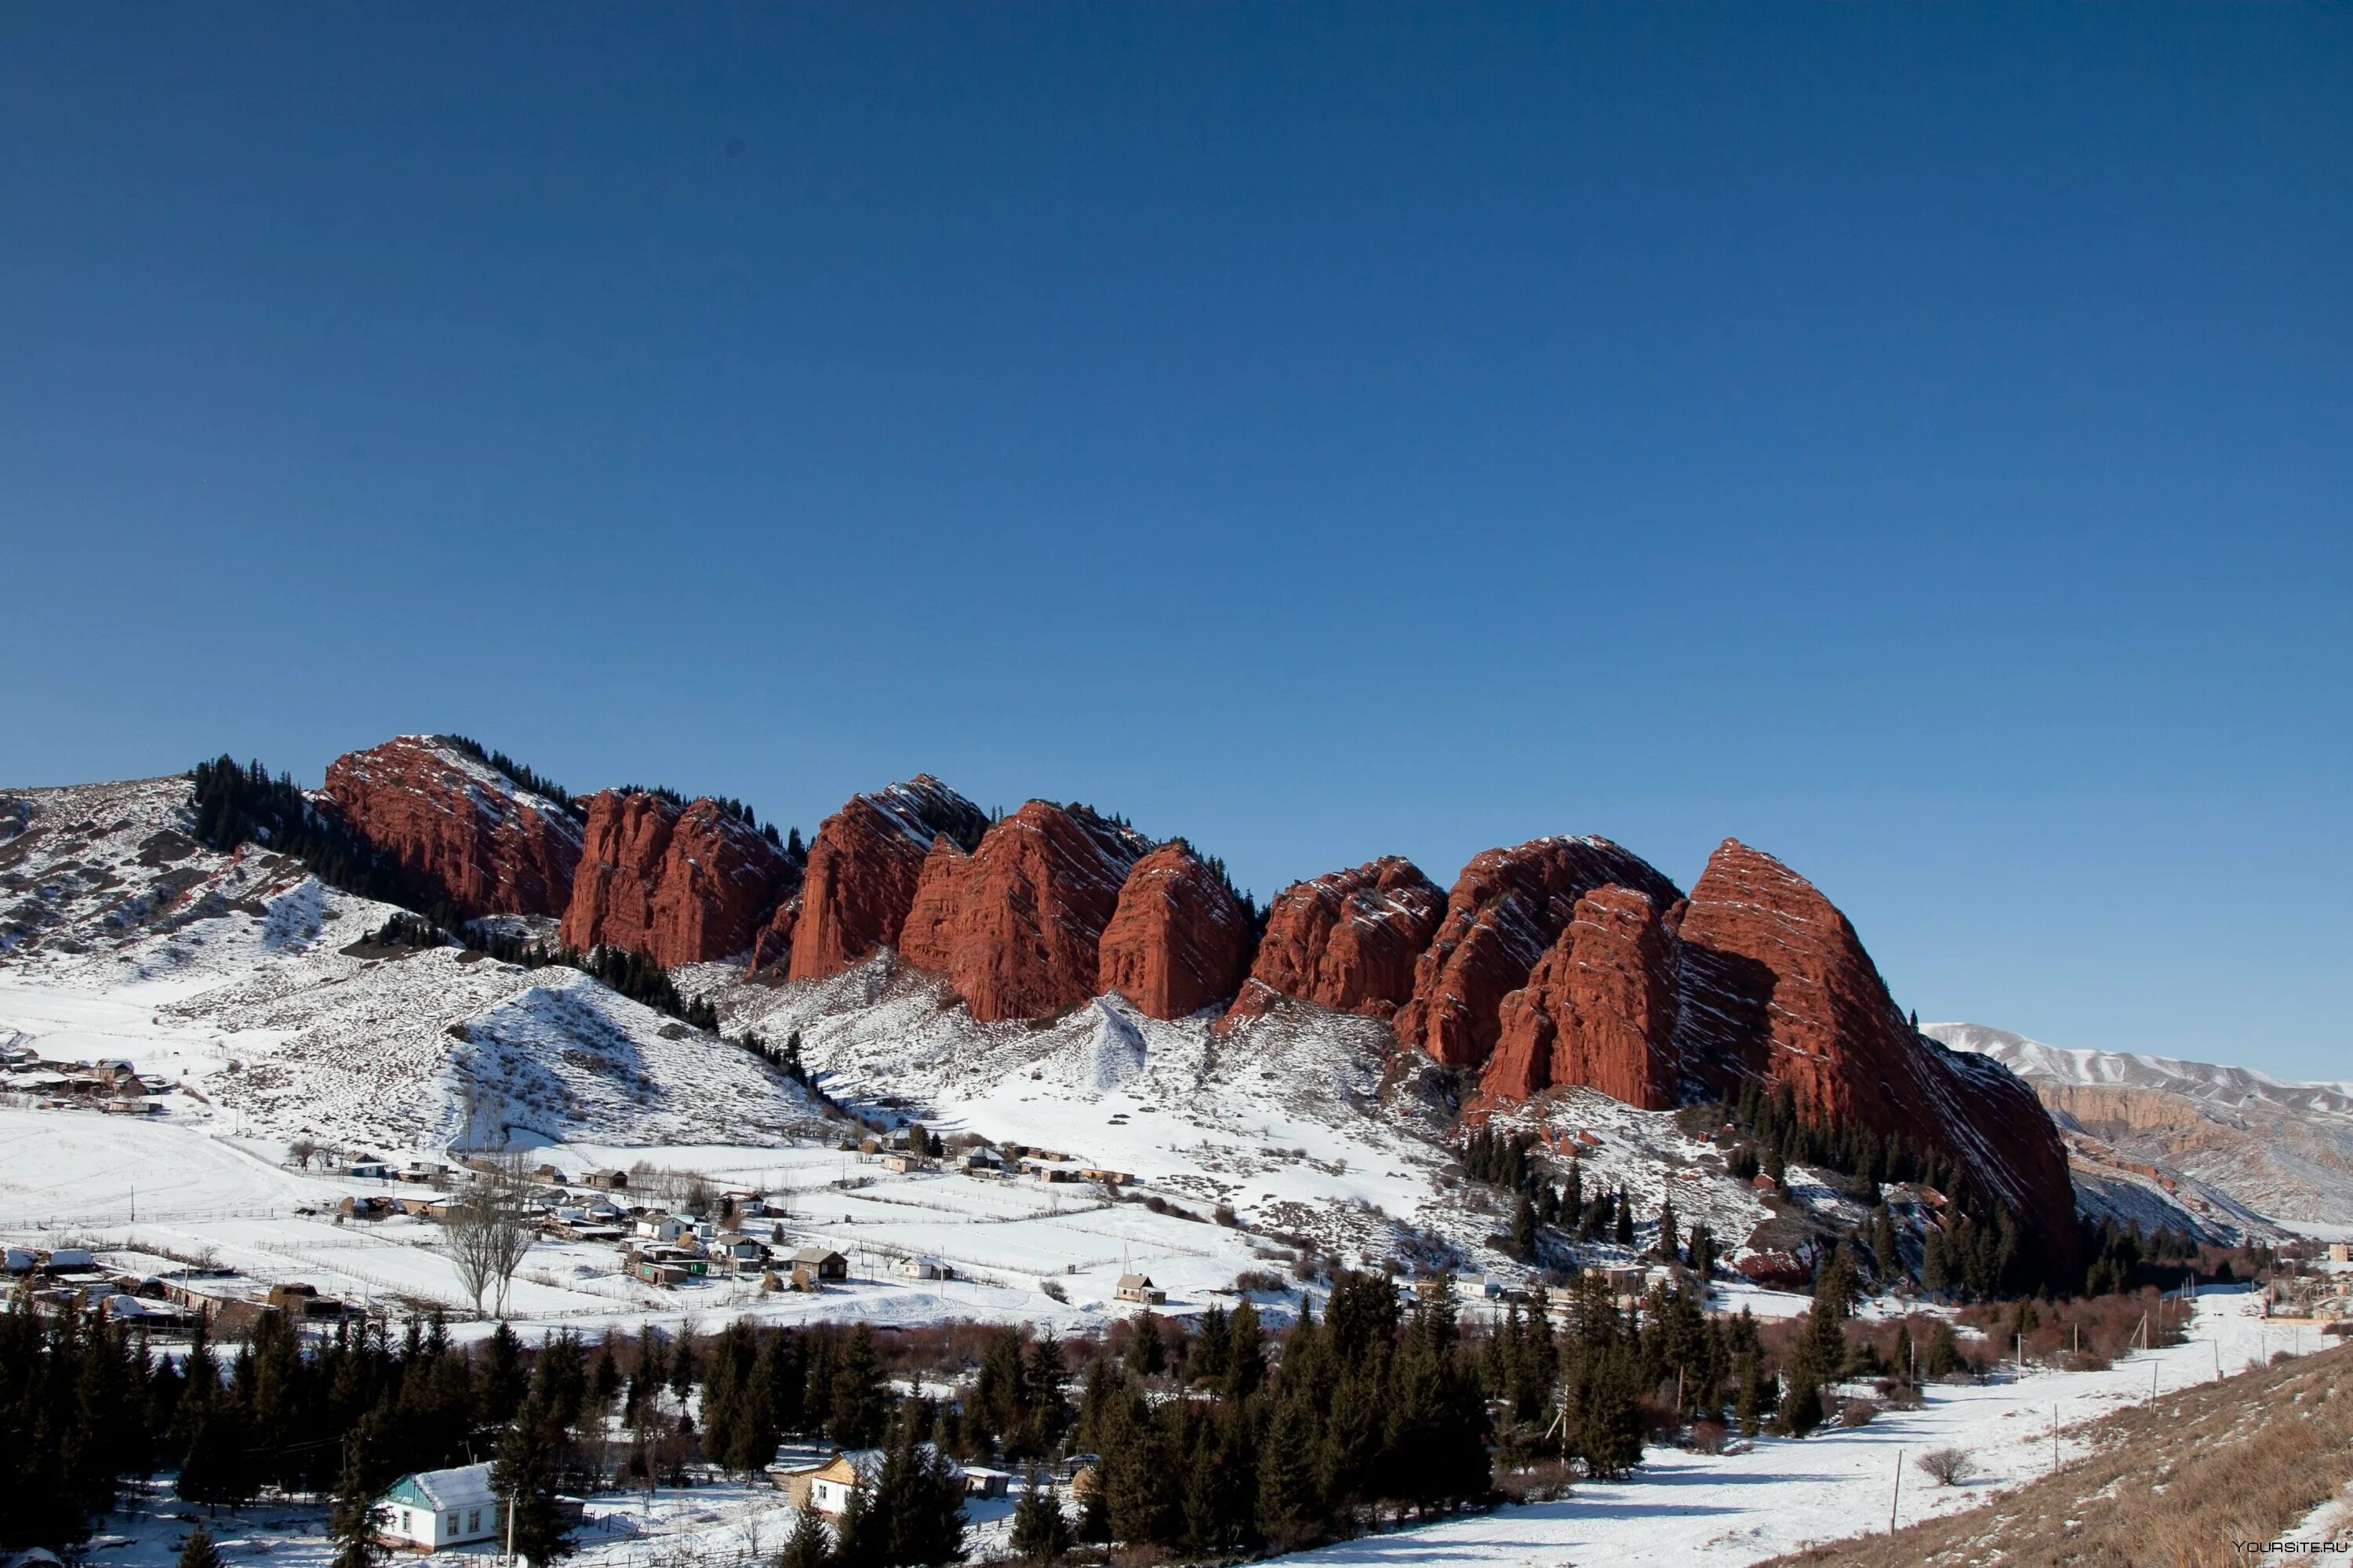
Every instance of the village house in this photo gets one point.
(1139, 1287)
(825, 1488)
(923, 1268)
(607, 1180)
(902, 1162)
(819, 1264)
(429, 1509)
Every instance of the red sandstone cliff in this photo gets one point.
(862, 870)
(1180, 939)
(459, 829)
(1506, 909)
(681, 884)
(1016, 924)
(1598, 1008)
(1346, 940)
(1773, 983)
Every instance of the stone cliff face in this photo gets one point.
(681, 884)
(1506, 908)
(862, 869)
(1017, 924)
(1178, 940)
(1775, 984)
(1346, 940)
(1598, 1008)
(459, 830)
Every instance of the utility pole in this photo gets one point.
(1897, 1501)
(2054, 1439)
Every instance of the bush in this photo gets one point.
(1858, 1413)
(1946, 1466)
(1707, 1436)
(1051, 1289)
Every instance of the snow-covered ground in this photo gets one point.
(1783, 1494)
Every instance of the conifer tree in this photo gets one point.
(355, 1519)
(198, 1551)
(1040, 1532)
(808, 1546)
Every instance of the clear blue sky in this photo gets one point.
(1916, 441)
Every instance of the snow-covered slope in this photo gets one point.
(1288, 1122)
(2239, 1140)
(244, 979)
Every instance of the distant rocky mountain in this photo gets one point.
(1549, 968)
(2237, 1139)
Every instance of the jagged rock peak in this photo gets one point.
(681, 884)
(862, 869)
(458, 828)
(1598, 1008)
(1180, 939)
(1016, 924)
(1506, 909)
(1345, 940)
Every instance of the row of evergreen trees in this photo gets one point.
(236, 804)
(516, 773)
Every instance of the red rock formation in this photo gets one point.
(1346, 940)
(1775, 984)
(862, 870)
(459, 829)
(1180, 939)
(681, 884)
(1016, 924)
(1506, 909)
(774, 945)
(1598, 1008)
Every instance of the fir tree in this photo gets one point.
(355, 1519)
(808, 1545)
(198, 1551)
(1040, 1532)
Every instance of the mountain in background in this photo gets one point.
(2239, 1141)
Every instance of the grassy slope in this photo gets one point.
(2175, 1483)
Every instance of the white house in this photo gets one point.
(831, 1484)
(429, 1509)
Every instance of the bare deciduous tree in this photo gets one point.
(304, 1151)
(490, 1231)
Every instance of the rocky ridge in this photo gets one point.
(1017, 924)
(457, 827)
(682, 885)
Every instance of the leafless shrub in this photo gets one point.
(1945, 1466)
(303, 1150)
(1858, 1413)
(1051, 1289)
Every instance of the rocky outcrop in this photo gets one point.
(862, 869)
(1506, 908)
(1017, 924)
(682, 885)
(1178, 940)
(1597, 1010)
(461, 832)
(774, 945)
(1774, 984)
(1346, 940)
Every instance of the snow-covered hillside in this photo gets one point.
(244, 980)
(2244, 1142)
